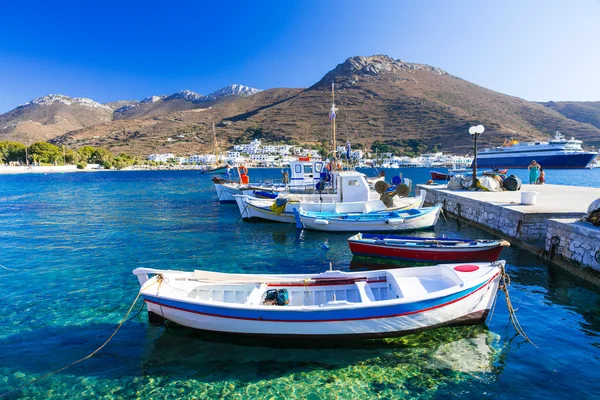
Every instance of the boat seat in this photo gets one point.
(365, 292)
(256, 295)
(411, 286)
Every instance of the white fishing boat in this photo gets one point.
(376, 221)
(306, 174)
(333, 304)
(282, 208)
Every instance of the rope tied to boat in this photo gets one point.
(504, 284)
(159, 280)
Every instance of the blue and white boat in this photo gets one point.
(556, 153)
(404, 220)
(332, 304)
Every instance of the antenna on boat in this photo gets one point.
(332, 119)
(216, 145)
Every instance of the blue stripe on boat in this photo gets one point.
(316, 315)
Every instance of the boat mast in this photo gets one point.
(332, 119)
(215, 144)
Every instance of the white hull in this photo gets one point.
(251, 207)
(478, 306)
(383, 303)
(225, 193)
(392, 225)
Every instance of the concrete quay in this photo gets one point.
(548, 228)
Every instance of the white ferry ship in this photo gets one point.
(556, 153)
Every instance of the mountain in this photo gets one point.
(394, 104)
(587, 112)
(154, 106)
(119, 103)
(49, 116)
(234, 90)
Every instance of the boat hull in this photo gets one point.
(252, 209)
(393, 320)
(425, 221)
(423, 254)
(226, 193)
(551, 161)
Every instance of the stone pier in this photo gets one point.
(533, 227)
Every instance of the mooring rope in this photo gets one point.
(505, 283)
(159, 280)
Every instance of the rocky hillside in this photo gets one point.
(49, 116)
(402, 105)
(183, 100)
(587, 112)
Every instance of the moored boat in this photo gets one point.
(404, 220)
(260, 208)
(425, 249)
(555, 153)
(333, 304)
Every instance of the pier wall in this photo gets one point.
(530, 228)
(576, 241)
(534, 229)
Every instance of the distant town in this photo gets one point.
(257, 154)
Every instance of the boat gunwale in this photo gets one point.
(328, 309)
(482, 280)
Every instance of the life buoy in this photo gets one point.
(243, 170)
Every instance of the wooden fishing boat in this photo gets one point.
(261, 208)
(404, 220)
(425, 249)
(332, 304)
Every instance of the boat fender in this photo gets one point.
(321, 222)
(325, 246)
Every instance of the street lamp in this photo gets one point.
(475, 131)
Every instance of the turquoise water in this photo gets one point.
(73, 240)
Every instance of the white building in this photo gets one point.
(283, 150)
(309, 153)
(161, 157)
(248, 148)
(262, 157)
(202, 159)
(181, 160)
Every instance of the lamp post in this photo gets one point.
(475, 131)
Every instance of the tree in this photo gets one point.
(86, 153)
(11, 151)
(45, 152)
(101, 156)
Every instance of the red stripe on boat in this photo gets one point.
(485, 285)
(466, 268)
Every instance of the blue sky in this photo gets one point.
(538, 50)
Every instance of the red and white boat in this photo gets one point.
(425, 249)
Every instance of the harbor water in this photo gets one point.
(69, 242)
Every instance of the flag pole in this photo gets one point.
(333, 119)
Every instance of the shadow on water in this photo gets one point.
(139, 348)
(464, 349)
